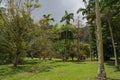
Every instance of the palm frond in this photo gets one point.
(52, 19)
(80, 10)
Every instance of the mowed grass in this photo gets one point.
(56, 70)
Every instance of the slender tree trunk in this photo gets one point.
(78, 44)
(78, 40)
(101, 71)
(39, 56)
(90, 49)
(66, 51)
(31, 55)
(114, 48)
(91, 58)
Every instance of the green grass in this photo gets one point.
(56, 70)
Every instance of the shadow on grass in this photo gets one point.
(29, 66)
(110, 63)
(33, 69)
(107, 79)
(71, 61)
(112, 79)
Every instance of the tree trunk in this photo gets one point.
(114, 48)
(17, 57)
(78, 40)
(72, 58)
(50, 57)
(101, 71)
(31, 55)
(90, 49)
(39, 56)
(91, 58)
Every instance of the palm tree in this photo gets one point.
(101, 71)
(47, 17)
(46, 33)
(89, 13)
(67, 17)
(108, 15)
(45, 21)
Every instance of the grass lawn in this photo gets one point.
(56, 70)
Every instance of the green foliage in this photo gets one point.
(6, 52)
(16, 25)
(109, 11)
(42, 37)
(68, 17)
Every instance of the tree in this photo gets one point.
(41, 43)
(67, 36)
(108, 14)
(89, 13)
(67, 17)
(17, 21)
(108, 18)
(101, 71)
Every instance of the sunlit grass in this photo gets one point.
(55, 70)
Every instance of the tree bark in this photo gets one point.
(101, 71)
(17, 57)
(90, 49)
(114, 48)
(78, 40)
(91, 54)
(18, 43)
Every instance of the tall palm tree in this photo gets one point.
(47, 17)
(67, 17)
(89, 13)
(45, 25)
(108, 15)
(101, 71)
(45, 21)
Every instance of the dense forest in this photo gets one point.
(99, 39)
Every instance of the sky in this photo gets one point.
(57, 8)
